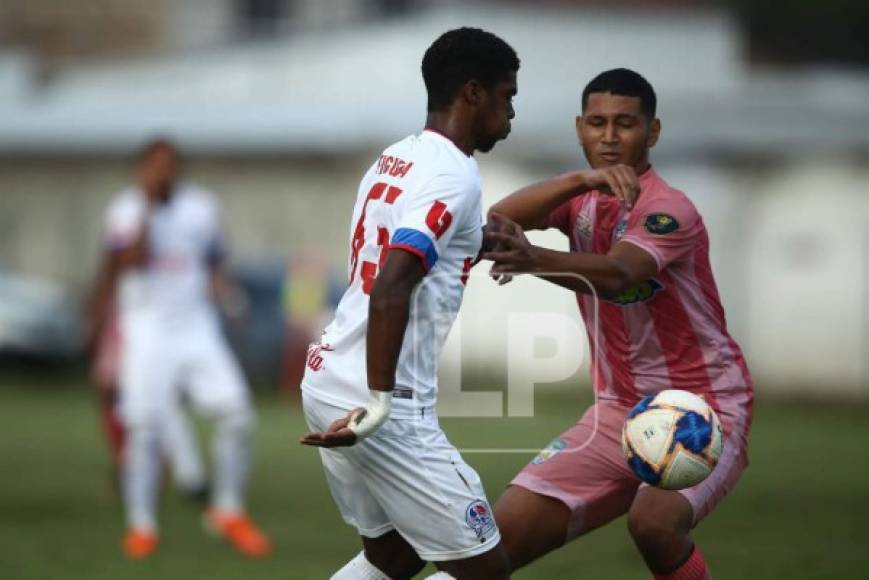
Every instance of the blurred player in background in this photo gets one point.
(370, 385)
(177, 440)
(165, 251)
(655, 321)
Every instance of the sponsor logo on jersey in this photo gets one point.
(315, 355)
(478, 515)
(639, 293)
(550, 451)
(661, 224)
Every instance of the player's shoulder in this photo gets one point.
(659, 196)
(125, 202)
(195, 193)
(433, 154)
(194, 197)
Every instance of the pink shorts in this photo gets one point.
(586, 469)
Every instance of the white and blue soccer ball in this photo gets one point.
(672, 440)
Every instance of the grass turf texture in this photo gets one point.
(799, 512)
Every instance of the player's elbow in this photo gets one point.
(615, 282)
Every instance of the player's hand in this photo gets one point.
(512, 252)
(495, 223)
(337, 435)
(620, 181)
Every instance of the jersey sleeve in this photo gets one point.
(560, 217)
(433, 216)
(667, 229)
(123, 222)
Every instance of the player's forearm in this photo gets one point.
(99, 303)
(388, 313)
(531, 205)
(136, 254)
(582, 272)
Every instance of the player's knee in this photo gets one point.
(239, 418)
(391, 554)
(530, 525)
(653, 530)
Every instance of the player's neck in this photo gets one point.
(453, 128)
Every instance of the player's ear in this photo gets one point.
(473, 93)
(579, 128)
(654, 133)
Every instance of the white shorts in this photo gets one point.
(407, 477)
(158, 367)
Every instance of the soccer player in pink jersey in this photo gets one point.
(639, 263)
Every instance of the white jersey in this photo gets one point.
(172, 290)
(422, 196)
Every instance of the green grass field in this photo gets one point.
(801, 510)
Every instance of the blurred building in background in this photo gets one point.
(280, 105)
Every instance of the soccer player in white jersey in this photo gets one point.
(165, 249)
(178, 441)
(370, 386)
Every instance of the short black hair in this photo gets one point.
(155, 144)
(626, 83)
(461, 55)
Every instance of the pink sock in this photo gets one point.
(693, 569)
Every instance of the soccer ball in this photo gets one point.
(672, 439)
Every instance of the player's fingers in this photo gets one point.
(504, 238)
(343, 438)
(505, 279)
(336, 425)
(311, 439)
(630, 184)
(507, 257)
(508, 226)
(615, 185)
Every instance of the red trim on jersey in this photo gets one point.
(413, 250)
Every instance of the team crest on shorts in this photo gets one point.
(478, 515)
(550, 451)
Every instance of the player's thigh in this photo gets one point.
(706, 496)
(349, 490)
(531, 524)
(434, 499)
(215, 382)
(585, 469)
(148, 376)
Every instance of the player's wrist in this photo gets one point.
(375, 414)
(580, 182)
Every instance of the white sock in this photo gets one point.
(180, 446)
(141, 471)
(440, 576)
(359, 568)
(231, 461)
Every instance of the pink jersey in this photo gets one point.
(670, 331)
